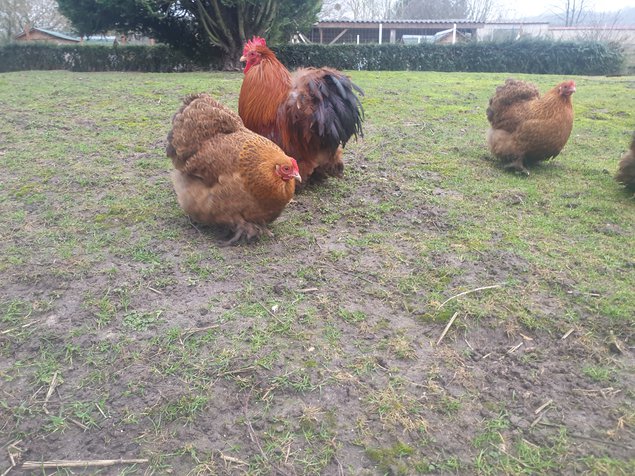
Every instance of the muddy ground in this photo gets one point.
(315, 352)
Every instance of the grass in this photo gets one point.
(127, 333)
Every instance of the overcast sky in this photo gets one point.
(537, 7)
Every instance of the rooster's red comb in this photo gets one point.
(251, 44)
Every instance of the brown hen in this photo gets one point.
(225, 174)
(526, 127)
(626, 168)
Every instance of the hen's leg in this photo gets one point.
(518, 165)
(335, 166)
(306, 170)
(331, 164)
(320, 166)
(252, 232)
(234, 239)
(248, 231)
(193, 224)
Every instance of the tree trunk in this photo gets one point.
(231, 60)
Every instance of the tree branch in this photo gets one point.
(221, 24)
(208, 24)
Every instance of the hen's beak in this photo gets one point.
(297, 177)
(242, 59)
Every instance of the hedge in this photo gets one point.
(159, 58)
(539, 57)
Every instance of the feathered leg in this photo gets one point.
(306, 170)
(247, 231)
(324, 165)
(517, 165)
(335, 166)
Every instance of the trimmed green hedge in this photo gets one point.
(159, 58)
(539, 57)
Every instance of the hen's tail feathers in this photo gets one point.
(338, 112)
(513, 91)
(626, 168)
(199, 119)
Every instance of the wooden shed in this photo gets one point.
(389, 31)
(40, 35)
(421, 31)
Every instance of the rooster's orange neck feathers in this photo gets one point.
(265, 86)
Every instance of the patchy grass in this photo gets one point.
(127, 333)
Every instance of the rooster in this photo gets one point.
(224, 173)
(626, 169)
(311, 114)
(526, 127)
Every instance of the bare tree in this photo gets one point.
(604, 27)
(572, 12)
(357, 9)
(436, 9)
(481, 10)
(476, 10)
(16, 14)
(45, 14)
(334, 9)
(11, 13)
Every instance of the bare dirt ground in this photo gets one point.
(127, 333)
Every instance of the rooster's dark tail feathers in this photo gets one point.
(338, 112)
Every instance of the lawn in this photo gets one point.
(126, 332)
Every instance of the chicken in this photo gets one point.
(626, 169)
(311, 114)
(224, 173)
(526, 127)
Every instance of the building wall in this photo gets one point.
(511, 31)
(624, 35)
(368, 32)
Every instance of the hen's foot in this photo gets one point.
(335, 169)
(193, 224)
(335, 166)
(518, 166)
(331, 165)
(246, 232)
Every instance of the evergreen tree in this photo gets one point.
(195, 26)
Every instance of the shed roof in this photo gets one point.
(52, 33)
(397, 24)
(449, 21)
(400, 21)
